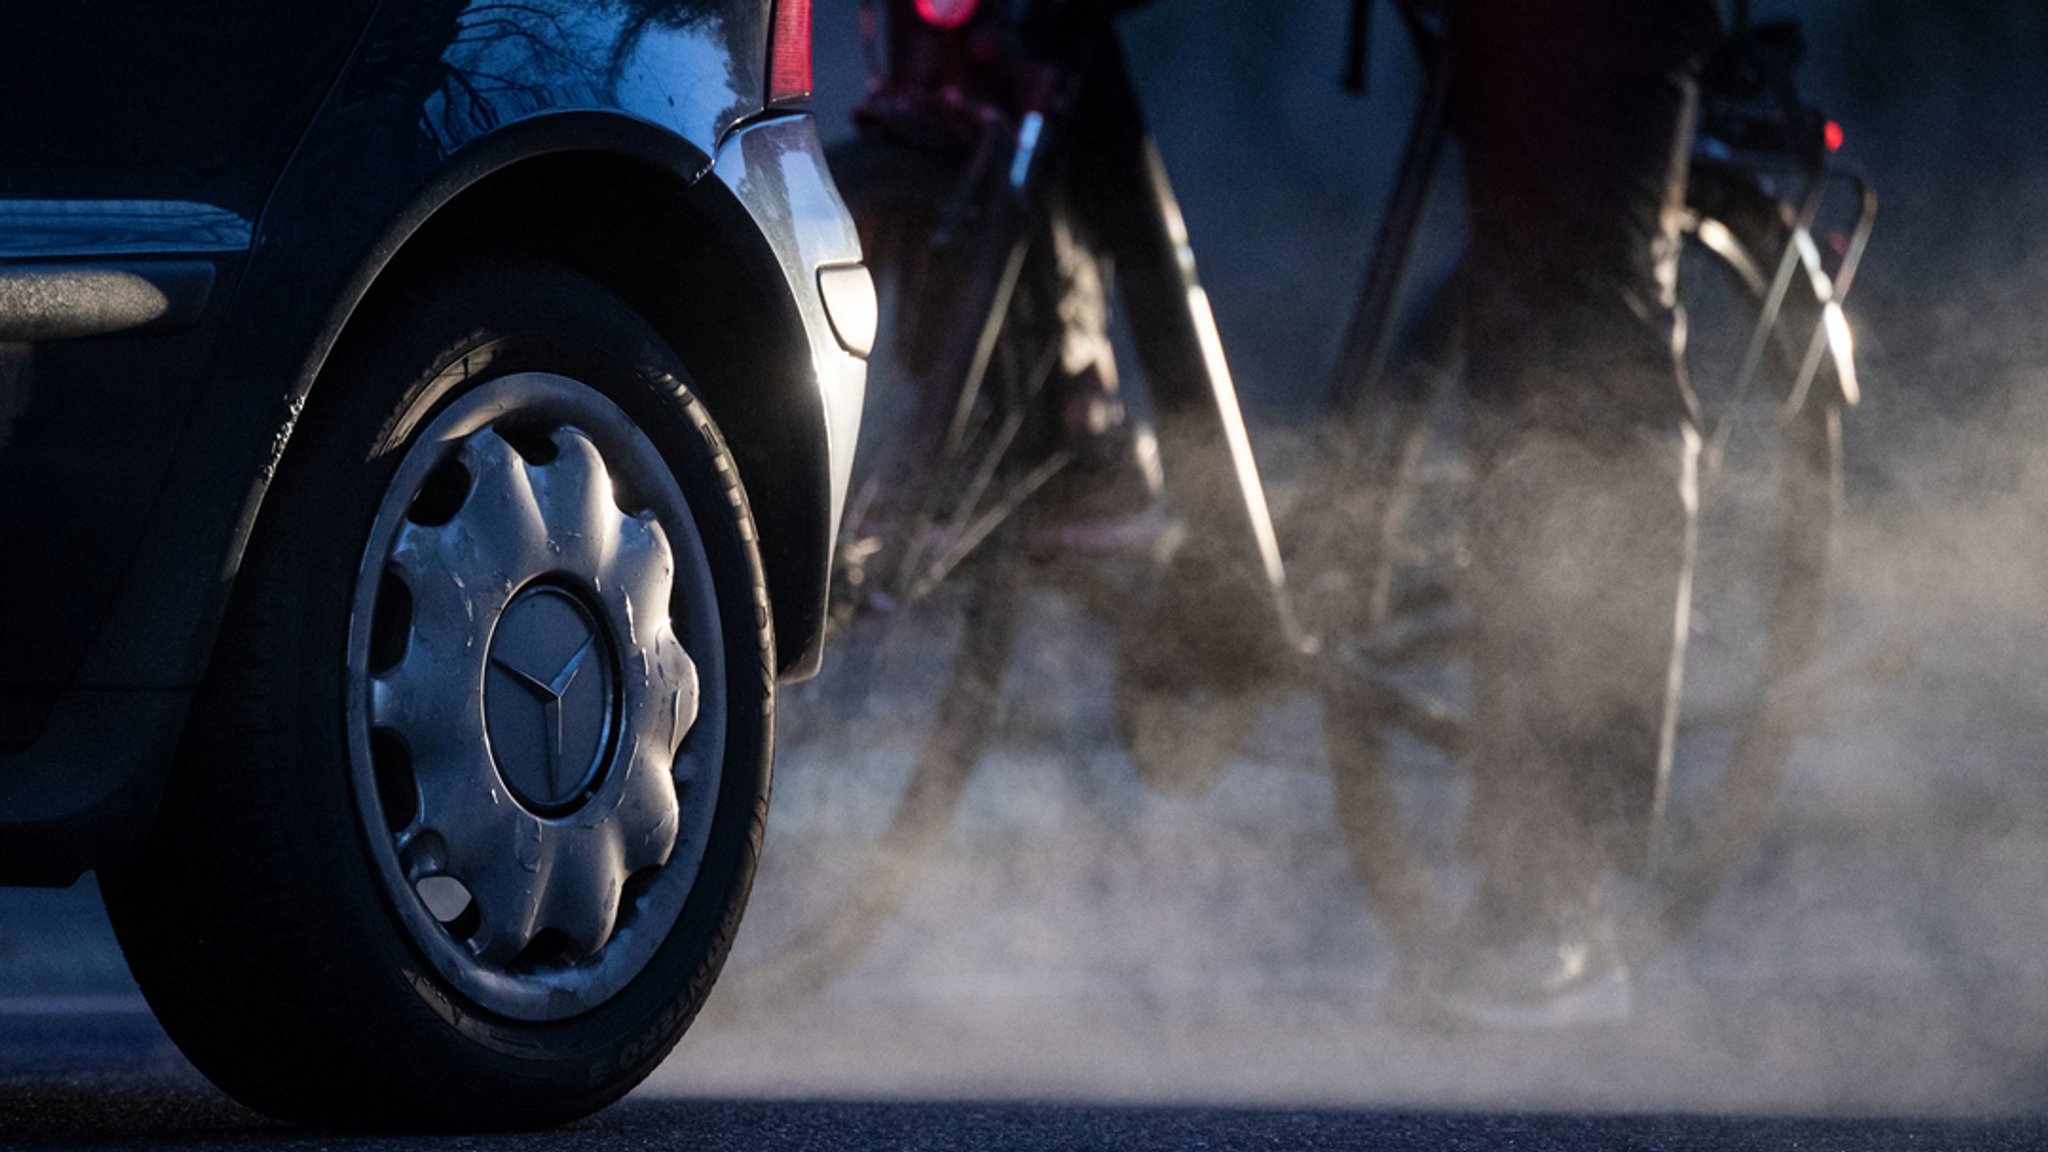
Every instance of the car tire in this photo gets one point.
(264, 918)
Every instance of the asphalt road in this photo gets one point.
(86, 1114)
(106, 1080)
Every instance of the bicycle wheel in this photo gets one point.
(874, 754)
(1398, 693)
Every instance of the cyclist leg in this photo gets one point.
(1114, 477)
(1576, 116)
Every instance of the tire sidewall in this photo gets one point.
(407, 363)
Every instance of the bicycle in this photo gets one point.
(1003, 158)
(1002, 154)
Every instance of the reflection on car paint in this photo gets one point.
(42, 229)
(663, 62)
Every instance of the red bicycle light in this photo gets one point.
(789, 53)
(1832, 136)
(947, 13)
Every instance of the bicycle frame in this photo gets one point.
(1037, 100)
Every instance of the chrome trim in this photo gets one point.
(46, 229)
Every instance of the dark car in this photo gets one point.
(423, 428)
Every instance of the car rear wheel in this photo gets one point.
(467, 814)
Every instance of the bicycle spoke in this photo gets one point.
(1430, 721)
(985, 346)
(988, 522)
(925, 528)
(984, 474)
(993, 457)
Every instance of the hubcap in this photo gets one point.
(548, 699)
(535, 694)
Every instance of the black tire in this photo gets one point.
(254, 918)
(1397, 736)
(879, 747)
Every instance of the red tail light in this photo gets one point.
(789, 53)
(947, 13)
(1832, 136)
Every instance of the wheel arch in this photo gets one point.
(687, 256)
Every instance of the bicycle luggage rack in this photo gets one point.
(1753, 119)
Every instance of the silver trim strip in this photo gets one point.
(47, 229)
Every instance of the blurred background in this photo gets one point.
(1082, 937)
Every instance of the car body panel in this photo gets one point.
(134, 145)
(435, 99)
(777, 171)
